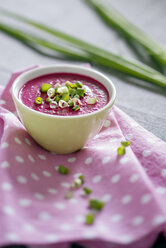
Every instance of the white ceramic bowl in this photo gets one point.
(62, 134)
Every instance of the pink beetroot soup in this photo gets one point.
(93, 89)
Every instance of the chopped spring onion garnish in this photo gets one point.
(72, 92)
(62, 90)
(53, 105)
(65, 97)
(125, 143)
(96, 204)
(76, 108)
(63, 104)
(63, 170)
(45, 87)
(38, 100)
(81, 177)
(48, 99)
(74, 101)
(57, 85)
(81, 92)
(77, 183)
(69, 84)
(69, 194)
(51, 92)
(121, 151)
(78, 84)
(89, 219)
(57, 98)
(91, 100)
(77, 96)
(87, 191)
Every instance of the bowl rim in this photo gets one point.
(65, 66)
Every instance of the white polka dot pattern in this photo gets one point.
(163, 172)
(88, 160)
(106, 160)
(71, 160)
(6, 186)
(5, 164)
(97, 179)
(116, 218)
(22, 179)
(115, 178)
(19, 159)
(126, 199)
(4, 145)
(138, 220)
(8, 210)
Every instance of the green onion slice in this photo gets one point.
(53, 105)
(91, 100)
(63, 104)
(78, 84)
(51, 92)
(69, 84)
(125, 143)
(38, 100)
(57, 85)
(76, 108)
(45, 87)
(57, 98)
(121, 151)
(81, 92)
(77, 183)
(72, 92)
(62, 90)
(96, 204)
(65, 97)
(89, 219)
(82, 178)
(63, 170)
(87, 191)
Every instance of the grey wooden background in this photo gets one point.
(146, 103)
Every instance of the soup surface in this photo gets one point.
(64, 94)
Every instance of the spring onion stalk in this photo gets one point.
(27, 37)
(92, 53)
(115, 19)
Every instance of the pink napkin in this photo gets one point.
(33, 209)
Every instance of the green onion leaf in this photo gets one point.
(87, 51)
(121, 151)
(125, 143)
(38, 100)
(87, 191)
(96, 204)
(76, 108)
(45, 87)
(89, 219)
(116, 20)
(63, 170)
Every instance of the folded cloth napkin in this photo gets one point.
(33, 210)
